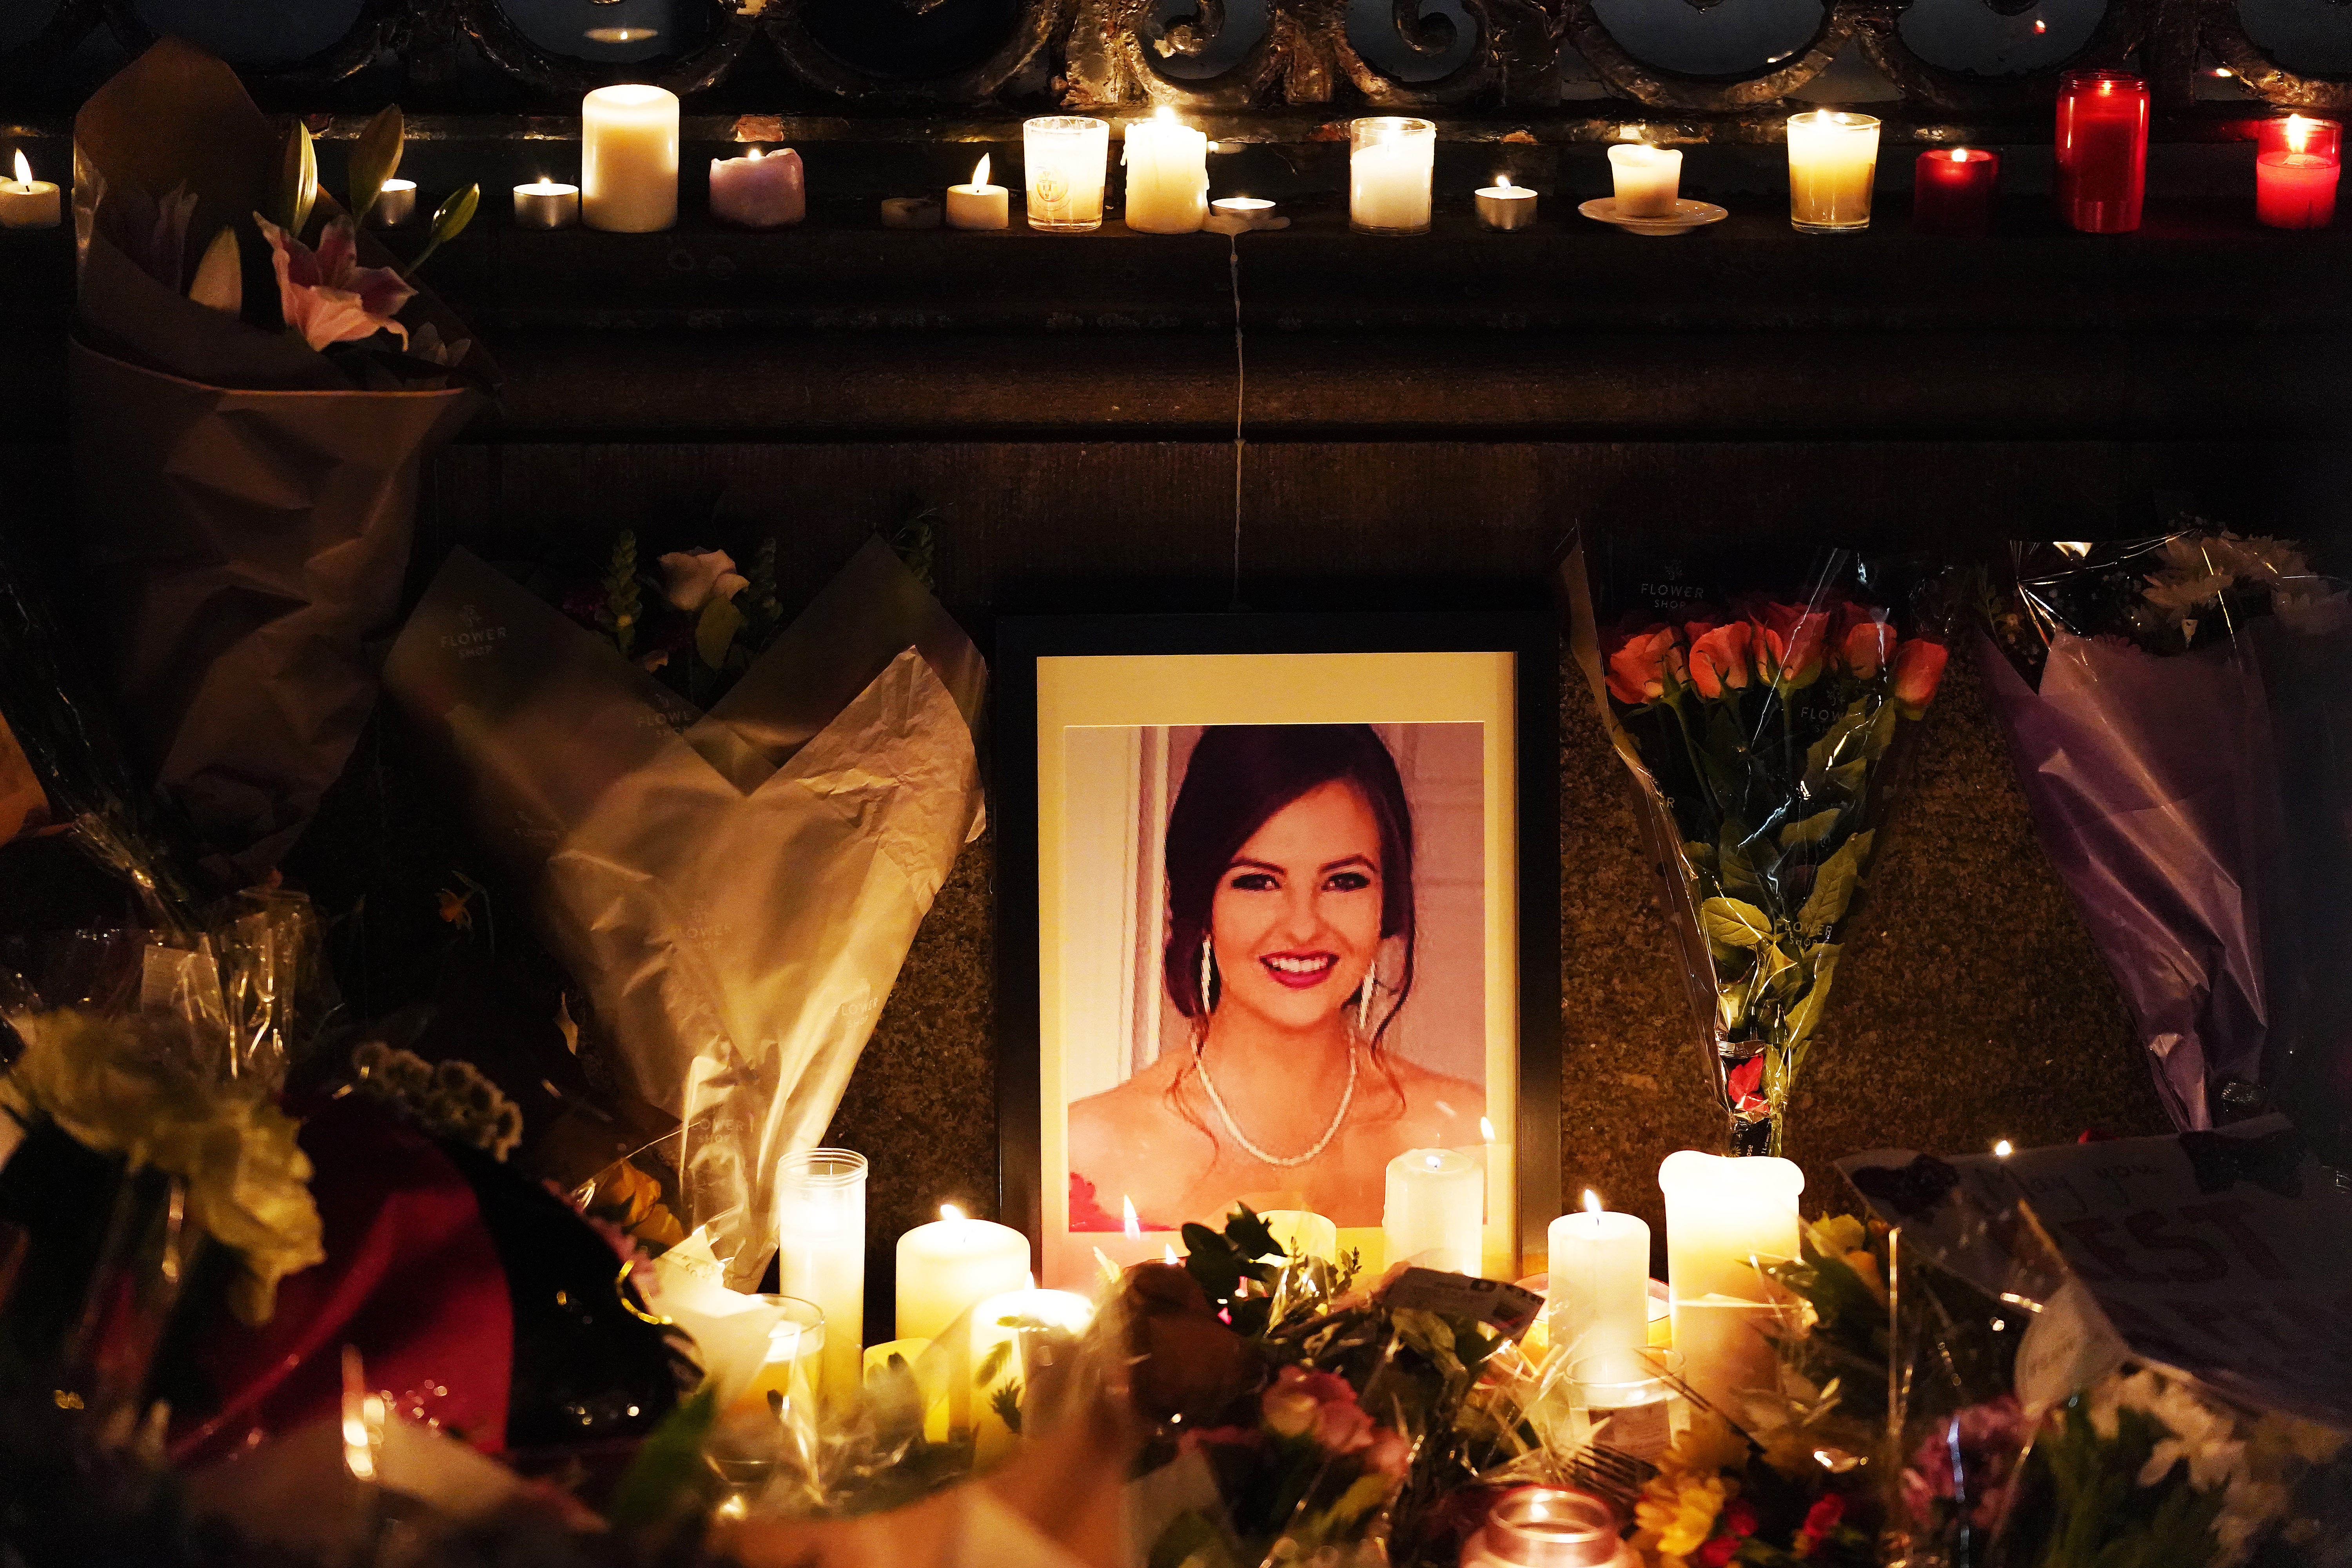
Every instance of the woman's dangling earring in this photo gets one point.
(1208, 974)
(1364, 1001)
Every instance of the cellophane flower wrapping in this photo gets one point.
(2178, 709)
(1762, 702)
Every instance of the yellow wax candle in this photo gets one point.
(628, 158)
(929, 1385)
(1167, 176)
(1648, 180)
(1599, 1304)
(1832, 157)
(786, 1375)
(1499, 1256)
(1435, 1211)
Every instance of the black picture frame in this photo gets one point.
(1530, 638)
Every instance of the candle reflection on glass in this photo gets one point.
(2296, 162)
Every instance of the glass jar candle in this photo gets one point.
(821, 1254)
(1066, 156)
(1545, 1527)
(1951, 190)
(2296, 162)
(1832, 159)
(1390, 160)
(2101, 150)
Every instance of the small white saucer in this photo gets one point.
(1687, 214)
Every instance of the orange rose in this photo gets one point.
(1867, 644)
(1789, 643)
(1718, 659)
(1918, 670)
(1641, 670)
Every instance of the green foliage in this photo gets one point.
(2096, 1512)
(449, 219)
(296, 189)
(375, 158)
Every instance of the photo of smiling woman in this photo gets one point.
(1302, 1022)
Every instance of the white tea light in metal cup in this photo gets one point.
(1504, 206)
(1833, 162)
(1390, 158)
(1066, 158)
(546, 203)
(395, 204)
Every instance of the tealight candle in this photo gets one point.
(1389, 161)
(1724, 1216)
(629, 160)
(1066, 156)
(1648, 179)
(1436, 1201)
(546, 203)
(821, 1242)
(1239, 214)
(1951, 191)
(1598, 1293)
(2102, 150)
(2296, 162)
(1832, 157)
(1504, 206)
(395, 204)
(1167, 176)
(29, 203)
(979, 204)
(759, 190)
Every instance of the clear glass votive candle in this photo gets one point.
(2296, 162)
(1545, 1527)
(1067, 157)
(1832, 159)
(821, 1254)
(1628, 1400)
(2101, 151)
(1390, 158)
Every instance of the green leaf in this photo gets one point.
(1834, 883)
(449, 220)
(1006, 1403)
(1811, 829)
(1882, 731)
(1825, 753)
(375, 158)
(1734, 923)
(664, 1480)
(1808, 1009)
(714, 631)
(298, 180)
(992, 1363)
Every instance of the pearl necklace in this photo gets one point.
(1346, 1099)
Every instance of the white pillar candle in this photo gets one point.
(1724, 1217)
(1648, 179)
(395, 204)
(1437, 1202)
(979, 204)
(546, 203)
(1010, 1321)
(1504, 206)
(949, 1266)
(628, 158)
(1301, 1233)
(1167, 176)
(759, 190)
(1389, 165)
(821, 1252)
(1599, 1309)
(29, 203)
(1067, 158)
(1832, 157)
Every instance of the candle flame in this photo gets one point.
(980, 170)
(1164, 115)
(2041, 26)
(1168, 1254)
(2298, 134)
(949, 1211)
(1486, 1128)
(359, 1450)
(1134, 1227)
(1959, 154)
(756, 155)
(24, 169)
(2005, 1149)
(1591, 1201)
(1500, 180)
(1436, 1161)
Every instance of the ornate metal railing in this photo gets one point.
(1461, 57)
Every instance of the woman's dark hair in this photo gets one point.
(1240, 775)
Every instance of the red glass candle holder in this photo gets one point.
(2102, 150)
(2296, 161)
(1951, 190)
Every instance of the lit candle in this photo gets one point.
(2102, 150)
(1013, 1322)
(1648, 179)
(1833, 156)
(1067, 157)
(1599, 1307)
(1389, 165)
(395, 204)
(1724, 1217)
(1167, 176)
(948, 1265)
(1240, 215)
(1504, 206)
(629, 159)
(1437, 1199)
(546, 203)
(1951, 192)
(979, 204)
(821, 1242)
(29, 203)
(1301, 1233)
(759, 190)
(2296, 168)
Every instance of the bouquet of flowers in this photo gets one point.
(1763, 724)
(2175, 708)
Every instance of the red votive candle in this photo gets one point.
(1951, 191)
(2102, 150)
(2295, 164)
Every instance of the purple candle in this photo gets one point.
(759, 190)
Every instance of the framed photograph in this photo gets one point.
(1278, 903)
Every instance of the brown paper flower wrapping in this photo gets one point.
(735, 891)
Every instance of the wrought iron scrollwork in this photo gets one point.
(1024, 46)
(376, 25)
(515, 52)
(2224, 32)
(1633, 78)
(2123, 26)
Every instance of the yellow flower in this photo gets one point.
(1709, 1445)
(1677, 1513)
(1838, 1235)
